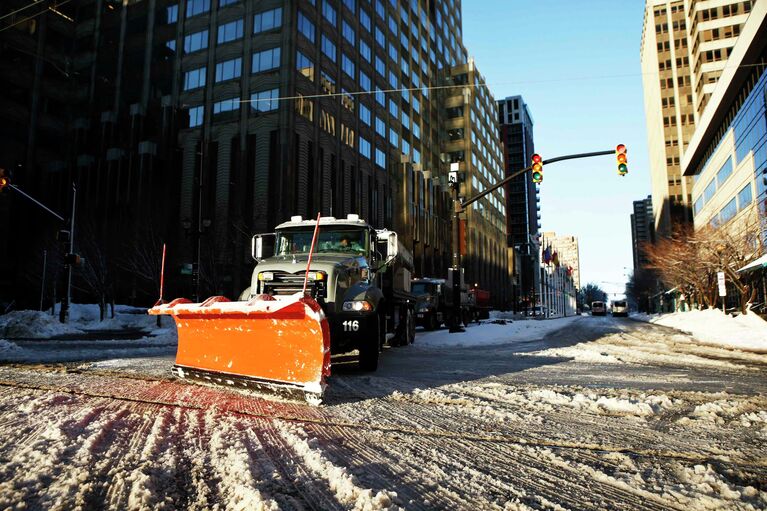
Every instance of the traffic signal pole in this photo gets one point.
(460, 206)
(64, 313)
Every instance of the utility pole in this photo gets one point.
(69, 261)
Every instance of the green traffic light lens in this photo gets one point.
(622, 168)
(537, 177)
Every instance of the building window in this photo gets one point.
(327, 83)
(195, 7)
(364, 19)
(328, 48)
(380, 127)
(305, 26)
(347, 135)
(380, 97)
(194, 79)
(266, 60)
(416, 130)
(196, 41)
(171, 45)
(724, 172)
(226, 105)
(365, 83)
(365, 148)
(347, 65)
(328, 122)
(224, 3)
(393, 26)
(416, 156)
(264, 101)
(393, 137)
(228, 69)
(709, 192)
(380, 9)
(416, 105)
(196, 116)
(171, 14)
(304, 65)
(380, 37)
(349, 5)
(365, 115)
(230, 31)
(380, 66)
(744, 197)
(348, 32)
(393, 110)
(393, 78)
(365, 50)
(393, 53)
(728, 211)
(405, 120)
(380, 158)
(305, 107)
(267, 20)
(329, 12)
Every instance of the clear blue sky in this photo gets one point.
(576, 64)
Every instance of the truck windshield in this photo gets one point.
(337, 240)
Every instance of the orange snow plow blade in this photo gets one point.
(263, 342)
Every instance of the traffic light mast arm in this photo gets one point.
(462, 205)
(46, 208)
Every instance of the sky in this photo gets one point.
(576, 64)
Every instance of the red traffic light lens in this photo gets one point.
(620, 149)
(537, 158)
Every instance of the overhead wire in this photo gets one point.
(51, 8)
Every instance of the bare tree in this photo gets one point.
(141, 257)
(95, 274)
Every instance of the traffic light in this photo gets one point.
(537, 168)
(4, 181)
(620, 156)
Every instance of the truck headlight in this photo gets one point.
(357, 306)
(266, 275)
(317, 275)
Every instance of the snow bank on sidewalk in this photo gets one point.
(745, 332)
(492, 333)
(33, 325)
(30, 324)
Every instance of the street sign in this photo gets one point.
(720, 281)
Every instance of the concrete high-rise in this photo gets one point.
(216, 119)
(685, 46)
(472, 142)
(522, 196)
(642, 230)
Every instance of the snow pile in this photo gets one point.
(745, 332)
(33, 325)
(493, 333)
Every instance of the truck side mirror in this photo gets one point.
(257, 246)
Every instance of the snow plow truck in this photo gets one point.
(335, 287)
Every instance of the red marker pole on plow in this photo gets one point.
(311, 252)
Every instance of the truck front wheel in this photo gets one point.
(370, 348)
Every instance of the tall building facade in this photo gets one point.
(472, 142)
(642, 230)
(523, 217)
(560, 274)
(568, 254)
(727, 156)
(205, 121)
(685, 46)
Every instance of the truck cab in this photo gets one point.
(359, 275)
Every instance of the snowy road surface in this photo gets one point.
(601, 414)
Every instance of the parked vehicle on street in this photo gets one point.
(620, 308)
(537, 311)
(434, 306)
(598, 309)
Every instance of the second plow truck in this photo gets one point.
(332, 286)
(359, 275)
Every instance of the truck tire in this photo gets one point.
(405, 329)
(371, 348)
(432, 323)
(465, 318)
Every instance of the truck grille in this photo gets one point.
(290, 283)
